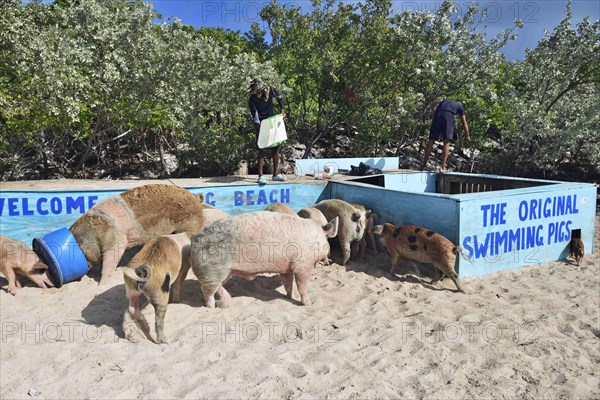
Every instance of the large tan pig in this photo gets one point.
(18, 259)
(352, 223)
(131, 218)
(260, 242)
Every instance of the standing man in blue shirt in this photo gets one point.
(443, 125)
(261, 107)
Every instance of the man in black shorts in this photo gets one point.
(443, 125)
(261, 107)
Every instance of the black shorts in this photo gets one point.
(265, 152)
(442, 125)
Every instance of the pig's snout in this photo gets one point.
(46, 281)
(40, 276)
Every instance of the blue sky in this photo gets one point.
(537, 15)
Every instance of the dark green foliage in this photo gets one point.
(93, 88)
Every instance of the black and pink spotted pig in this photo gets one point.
(420, 245)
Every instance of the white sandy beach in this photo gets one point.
(533, 332)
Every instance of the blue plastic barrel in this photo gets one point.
(61, 252)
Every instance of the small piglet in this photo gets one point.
(420, 245)
(371, 221)
(159, 268)
(260, 242)
(17, 258)
(352, 223)
(576, 249)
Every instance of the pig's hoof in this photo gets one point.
(162, 340)
(224, 303)
(211, 304)
(103, 282)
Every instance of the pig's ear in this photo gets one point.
(368, 214)
(387, 227)
(377, 229)
(331, 228)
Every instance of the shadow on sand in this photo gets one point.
(108, 308)
(406, 271)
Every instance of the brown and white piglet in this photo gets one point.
(158, 269)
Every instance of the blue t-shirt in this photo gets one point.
(263, 108)
(450, 106)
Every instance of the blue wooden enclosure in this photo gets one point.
(499, 222)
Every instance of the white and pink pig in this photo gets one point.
(260, 242)
(16, 258)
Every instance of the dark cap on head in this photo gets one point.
(256, 85)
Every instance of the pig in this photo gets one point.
(318, 217)
(281, 208)
(212, 214)
(371, 221)
(351, 226)
(158, 269)
(420, 245)
(260, 242)
(18, 259)
(314, 214)
(576, 249)
(132, 218)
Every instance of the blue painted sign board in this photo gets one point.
(28, 214)
(507, 229)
